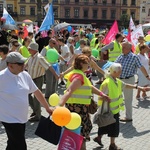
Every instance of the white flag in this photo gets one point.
(135, 35)
(46, 7)
(30, 28)
(131, 24)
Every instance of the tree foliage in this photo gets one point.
(124, 20)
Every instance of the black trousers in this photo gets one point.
(16, 136)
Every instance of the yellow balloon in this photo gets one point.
(53, 99)
(23, 24)
(75, 121)
(147, 38)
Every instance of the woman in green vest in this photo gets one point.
(24, 49)
(113, 87)
(77, 97)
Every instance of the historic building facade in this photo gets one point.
(95, 12)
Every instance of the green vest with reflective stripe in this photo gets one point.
(115, 94)
(83, 94)
(52, 55)
(117, 50)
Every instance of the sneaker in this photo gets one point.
(34, 119)
(33, 114)
(114, 147)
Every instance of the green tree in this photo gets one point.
(124, 20)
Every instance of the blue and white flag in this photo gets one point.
(7, 16)
(48, 20)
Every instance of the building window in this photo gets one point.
(143, 9)
(104, 2)
(104, 14)
(32, 11)
(43, 11)
(133, 14)
(55, 1)
(95, 1)
(124, 12)
(113, 14)
(55, 12)
(67, 1)
(32, 1)
(85, 13)
(76, 1)
(95, 13)
(149, 12)
(45, 1)
(9, 7)
(124, 2)
(113, 2)
(133, 2)
(22, 10)
(76, 12)
(22, 0)
(1, 7)
(67, 12)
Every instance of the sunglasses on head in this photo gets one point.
(16, 45)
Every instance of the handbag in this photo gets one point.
(92, 108)
(48, 130)
(70, 141)
(102, 118)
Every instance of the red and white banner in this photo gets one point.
(131, 24)
(135, 35)
(111, 34)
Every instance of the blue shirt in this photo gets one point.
(130, 63)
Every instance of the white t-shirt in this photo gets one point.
(64, 51)
(78, 51)
(14, 90)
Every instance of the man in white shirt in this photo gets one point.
(15, 86)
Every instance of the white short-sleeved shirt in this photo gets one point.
(64, 51)
(14, 90)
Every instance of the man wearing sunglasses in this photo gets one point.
(15, 86)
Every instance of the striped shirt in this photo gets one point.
(130, 63)
(36, 65)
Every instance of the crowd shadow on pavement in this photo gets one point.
(130, 131)
(2, 129)
(143, 104)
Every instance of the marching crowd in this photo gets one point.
(68, 60)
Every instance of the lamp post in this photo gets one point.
(39, 15)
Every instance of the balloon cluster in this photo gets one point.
(62, 116)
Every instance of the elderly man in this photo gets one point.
(130, 62)
(52, 56)
(36, 66)
(15, 86)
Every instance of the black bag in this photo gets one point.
(48, 130)
(92, 108)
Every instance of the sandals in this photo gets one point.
(98, 141)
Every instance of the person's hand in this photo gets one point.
(57, 77)
(105, 97)
(61, 75)
(146, 88)
(50, 110)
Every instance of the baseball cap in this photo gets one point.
(15, 57)
(33, 46)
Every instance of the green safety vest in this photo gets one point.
(117, 50)
(83, 94)
(52, 55)
(115, 94)
(24, 52)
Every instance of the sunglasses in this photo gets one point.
(53, 43)
(19, 64)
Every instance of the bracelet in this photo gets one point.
(147, 76)
(101, 93)
(136, 87)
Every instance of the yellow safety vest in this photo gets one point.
(117, 50)
(115, 94)
(54, 55)
(83, 94)
(24, 52)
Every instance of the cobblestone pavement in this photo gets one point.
(133, 135)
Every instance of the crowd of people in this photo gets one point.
(68, 60)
